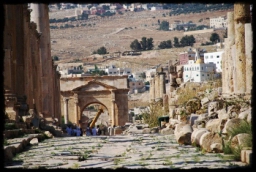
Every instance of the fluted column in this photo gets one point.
(248, 55)
(241, 16)
(65, 110)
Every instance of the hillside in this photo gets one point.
(117, 32)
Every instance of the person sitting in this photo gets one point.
(78, 131)
(88, 131)
(94, 131)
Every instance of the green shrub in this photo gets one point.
(151, 116)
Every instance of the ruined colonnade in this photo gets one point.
(157, 86)
(30, 78)
(237, 59)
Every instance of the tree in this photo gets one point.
(135, 45)
(55, 58)
(187, 41)
(143, 75)
(102, 50)
(214, 37)
(150, 44)
(165, 44)
(176, 42)
(143, 43)
(164, 25)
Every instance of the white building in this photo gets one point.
(198, 71)
(155, 8)
(214, 57)
(150, 74)
(70, 68)
(218, 22)
(112, 70)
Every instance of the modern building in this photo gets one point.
(70, 68)
(214, 57)
(184, 57)
(136, 86)
(218, 22)
(198, 71)
(112, 70)
(150, 74)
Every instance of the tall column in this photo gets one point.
(152, 90)
(161, 85)
(225, 67)
(234, 69)
(156, 86)
(248, 55)
(229, 56)
(40, 16)
(113, 112)
(65, 110)
(76, 111)
(241, 16)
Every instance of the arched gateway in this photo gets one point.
(110, 91)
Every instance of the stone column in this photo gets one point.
(229, 56)
(241, 16)
(162, 89)
(156, 86)
(40, 15)
(65, 110)
(248, 55)
(234, 69)
(152, 90)
(76, 114)
(223, 66)
(113, 113)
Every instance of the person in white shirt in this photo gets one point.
(94, 131)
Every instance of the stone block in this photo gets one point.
(167, 131)
(209, 138)
(192, 119)
(246, 156)
(34, 141)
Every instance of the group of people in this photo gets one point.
(94, 131)
(74, 131)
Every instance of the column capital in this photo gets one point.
(65, 99)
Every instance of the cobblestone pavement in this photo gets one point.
(150, 151)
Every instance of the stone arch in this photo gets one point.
(113, 99)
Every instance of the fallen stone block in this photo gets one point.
(230, 124)
(240, 140)
(209, 138)
(167, 131)
(216, 148)
(243, 115)
(213, 125)
(245, 156)
(222, 114)
(146, 131)
(183, 133)
(192, 119)
(196, 135)
(34, 141)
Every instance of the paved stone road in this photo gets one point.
(151, 151)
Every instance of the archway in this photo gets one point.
(78, 93)
(89, 112)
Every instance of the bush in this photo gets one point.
(151, 115)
